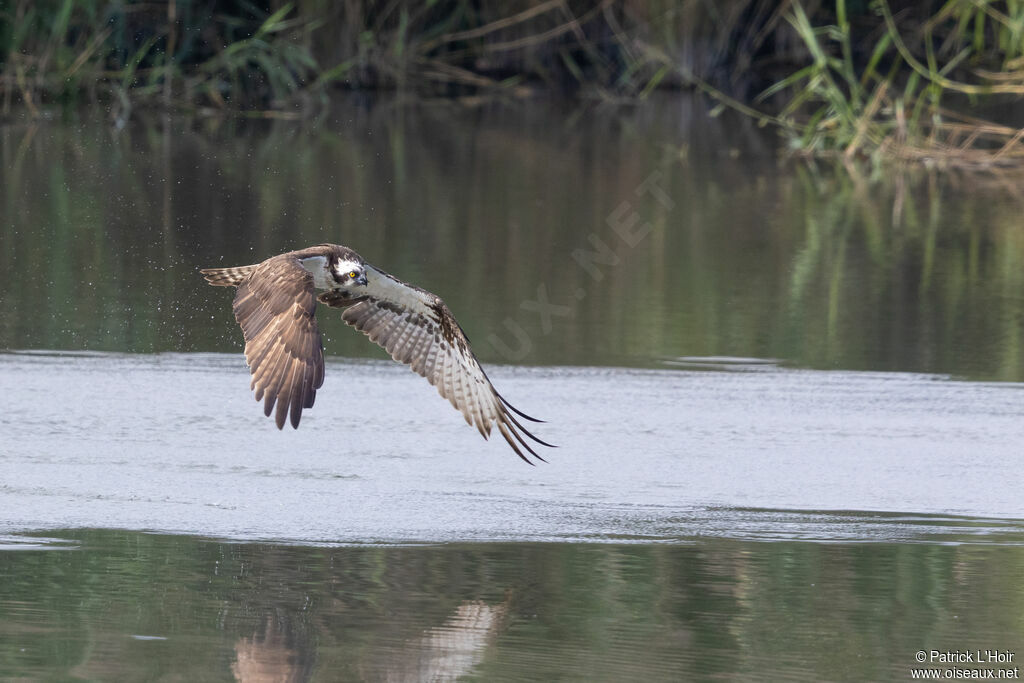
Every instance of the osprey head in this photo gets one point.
(349, 273)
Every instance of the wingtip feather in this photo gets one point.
(528, 432)
(504, 432)
(516, 410)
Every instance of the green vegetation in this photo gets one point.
(180, 54)
(886, 79)
(242, 55)
(895, 102)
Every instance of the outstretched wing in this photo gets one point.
(417, 329)
(275, 308)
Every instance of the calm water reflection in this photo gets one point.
(130, 606)
(101, 235)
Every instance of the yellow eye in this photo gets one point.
(352, 274)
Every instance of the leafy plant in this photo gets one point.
(893, 105)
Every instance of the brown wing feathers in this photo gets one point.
(227, 277)
(275, 308)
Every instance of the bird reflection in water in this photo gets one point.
(269, 657)
(451, 650)
(442, 653)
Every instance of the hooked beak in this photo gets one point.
(361, 280)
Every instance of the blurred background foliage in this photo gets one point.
(263, 54)
(850, 78)
(822, 265)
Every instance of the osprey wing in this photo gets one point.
(417, 329)
(275, 308)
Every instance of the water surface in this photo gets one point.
(102, 605)
(714, 247)
(175, 442)
(788, 403)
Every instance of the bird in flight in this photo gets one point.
(275, 306)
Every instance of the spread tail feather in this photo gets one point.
(227, 277)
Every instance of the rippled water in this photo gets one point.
(175, 443)
(788, 406)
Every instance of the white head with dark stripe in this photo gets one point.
(348, 272)
(335, 268)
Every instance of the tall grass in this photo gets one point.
(909, 96)
(182, 52)
(237, 54)
(877, 80)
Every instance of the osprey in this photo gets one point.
(275, 305)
